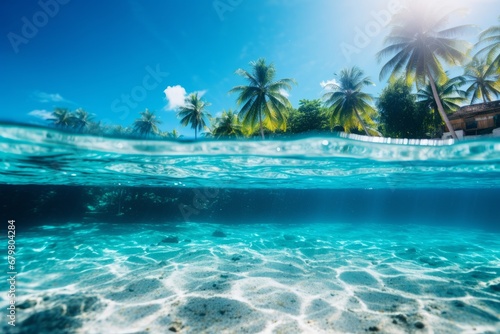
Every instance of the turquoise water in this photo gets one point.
(47, 157)
(332, 234)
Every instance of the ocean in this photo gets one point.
(321, 234)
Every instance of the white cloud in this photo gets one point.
(327, 84)
(175, 96)
(285, 93)
(48, 97)
(41, 113)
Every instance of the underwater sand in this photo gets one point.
(257, 278)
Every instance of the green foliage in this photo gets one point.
(347, 104)
(227, 125)
(82, 121)
(175, 134)
(418, 44)
(62, 118)
(78, 121)
(489, 43)
(118, 130)
(147, 125)
(169, 135)
(483, 83)
(400, 115)
(262, 101)
(451, 97)
(311, 116)
(449, 93)
(194, 112)
(95, 129)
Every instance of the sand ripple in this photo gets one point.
(270, 278)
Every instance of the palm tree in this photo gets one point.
(175, 134)
(164, 134)
(81, 120)
(483, 84)
(62, 117)
(347, 104)
(147, 124)
(227, 125)
(264, 101)
(418, 43)
(489, 41)
(194, 113)
(169, 135)
(449, 94)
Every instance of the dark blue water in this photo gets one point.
(315, 235)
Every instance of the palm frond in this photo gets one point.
(262, 101)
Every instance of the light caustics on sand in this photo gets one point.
(46, 156)
(314, 278)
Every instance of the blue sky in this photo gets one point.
(115, 58)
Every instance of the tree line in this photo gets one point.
(415, 104)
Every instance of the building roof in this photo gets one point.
(476, 109)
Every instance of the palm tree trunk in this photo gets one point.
(362, 123)
(436, 121)
(195, 133)
(261, 128)
(440, 106)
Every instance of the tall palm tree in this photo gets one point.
(227, 125)
(348, 104)
(483, 84)
(147, 125)
(450, 95)
(62, 117)
(418, 43)
(264, 101)
(81, 119)
(489, 42)
(194, 113)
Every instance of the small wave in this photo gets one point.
(35, 155)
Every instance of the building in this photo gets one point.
(476, 119)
